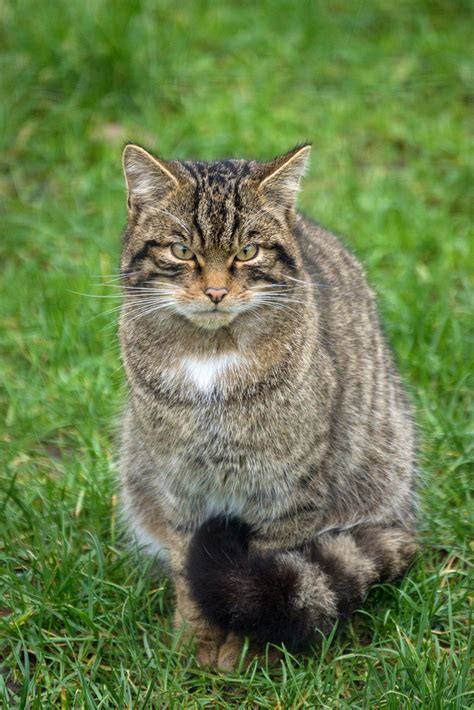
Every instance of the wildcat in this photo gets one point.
(268, 447)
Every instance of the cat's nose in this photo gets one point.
(216, 294)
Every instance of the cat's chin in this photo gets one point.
(211, 320)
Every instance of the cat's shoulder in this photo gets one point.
(322, 249)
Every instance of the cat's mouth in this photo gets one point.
(212, 318)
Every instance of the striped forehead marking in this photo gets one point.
(216, 203)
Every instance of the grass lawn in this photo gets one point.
(383, 90)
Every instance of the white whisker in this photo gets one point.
(149, 311)
(175, 219)
(131, 292)
(279, 298)
(312, 284)
(152, 287)
(95, 295)
(268, 286)
(128, 307)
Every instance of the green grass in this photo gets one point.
(382, 89)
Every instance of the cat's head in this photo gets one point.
(210, 241)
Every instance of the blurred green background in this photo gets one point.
(384, 92)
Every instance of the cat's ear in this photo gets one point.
(282, 176)
(148, 179)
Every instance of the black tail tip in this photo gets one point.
(243, 591)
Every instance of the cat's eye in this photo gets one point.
(181, 251)
(247, 253)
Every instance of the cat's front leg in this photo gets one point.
(189, 619)
(215, 647)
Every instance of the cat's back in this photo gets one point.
(371, 400)
(346, 305)
(329, 261)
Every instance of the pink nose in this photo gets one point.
(216, 294)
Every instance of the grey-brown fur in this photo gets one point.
(302, 428)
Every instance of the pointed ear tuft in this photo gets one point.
(282, 176)
(148, 179)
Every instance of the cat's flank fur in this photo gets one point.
(268, 448)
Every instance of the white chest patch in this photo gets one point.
(205, 372)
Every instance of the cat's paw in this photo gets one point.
(230, 653)
(207, 651)
(197, 632)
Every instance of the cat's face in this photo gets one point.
(210, 241)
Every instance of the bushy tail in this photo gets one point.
(288, 597)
